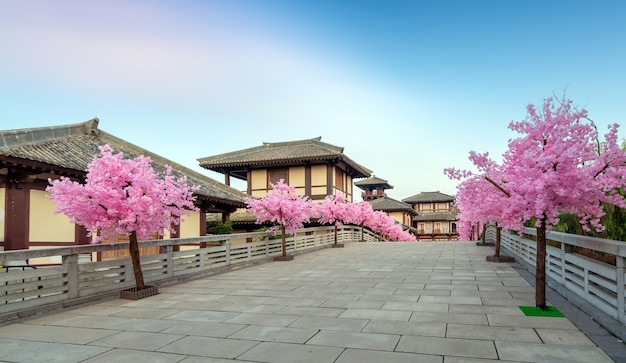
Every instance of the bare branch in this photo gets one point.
(498, 186)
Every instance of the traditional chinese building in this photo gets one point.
(314, 168)
(436, 216)
(28, 157)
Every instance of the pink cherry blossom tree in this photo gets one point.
(334, 210)
(284, 207)
(559, 165)
(360, 213)
(124, 197)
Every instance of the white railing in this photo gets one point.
(77, 278)
(600, 284)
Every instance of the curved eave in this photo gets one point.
(356, 171)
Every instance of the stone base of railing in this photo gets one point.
(500, 259)
(337, 245)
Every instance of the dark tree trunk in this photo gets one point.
(335, 234)
(362, 233)
(283, 243)
(498, 236)
(540, 274)
(133, 248)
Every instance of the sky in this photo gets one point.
(407, 88)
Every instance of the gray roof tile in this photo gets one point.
(282, 153)
(426, 197)
(73, 147)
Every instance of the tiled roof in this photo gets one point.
(422, 217)
(426, 197)
(282, 153)
(387, 204)
(73, 147)
(373, 181)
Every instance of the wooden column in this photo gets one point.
(16, 217)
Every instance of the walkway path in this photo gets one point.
(367, 302)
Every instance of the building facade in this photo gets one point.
(436, 216)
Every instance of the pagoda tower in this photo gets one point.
(373, 188)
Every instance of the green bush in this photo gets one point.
(223, 228)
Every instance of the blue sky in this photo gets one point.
(408, 88)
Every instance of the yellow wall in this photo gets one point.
(318, 176)
(2, 212)
(45, 226)
(398, 216)
(190, 225)
(258, 179)
(296, 179)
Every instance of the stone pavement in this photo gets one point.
(366, 303)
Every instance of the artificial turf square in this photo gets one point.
(550, 312)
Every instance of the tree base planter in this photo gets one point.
(485, 244)
(283, 258)
(134, 294)
(500, 259)
(550, 312)
(338, 245)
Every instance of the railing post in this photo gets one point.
(70, 262)
(565, 249)
(227, 251)
(619, 264)
(169, 253)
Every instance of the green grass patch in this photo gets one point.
(550, 312)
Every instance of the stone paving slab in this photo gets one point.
(368, 302)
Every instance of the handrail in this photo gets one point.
(79, 279)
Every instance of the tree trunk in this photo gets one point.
(498, 236)
(540, 274)
(283, 243)
(335, 234)
(362, 233)
(133, 248)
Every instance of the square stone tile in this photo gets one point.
(406, 328)
(566, 337)
(128, 355)
(451, 318)
(506, 333)
(137, 340)
(529, 352)
(275, 334)
(447, 346)
(263, 319)
(289, 353)
(341, 324)
(376, 314)
(54, 334)
(206, 329)
(355, 340)
(30, 351)
(376, 356)
(209, 347)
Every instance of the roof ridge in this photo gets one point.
(36, 135)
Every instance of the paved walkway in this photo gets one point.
(367, 302)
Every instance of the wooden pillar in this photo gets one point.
(17, 210)
(329, 179)
(307, 180)
(202, 222)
